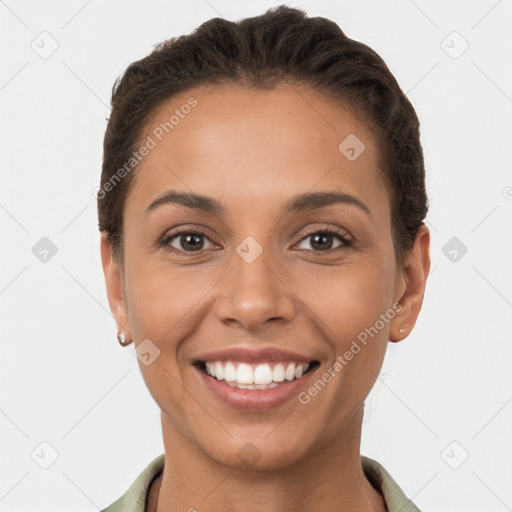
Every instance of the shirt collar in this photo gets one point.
(135, 499)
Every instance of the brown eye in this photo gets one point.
(186, 241)
(322, 239)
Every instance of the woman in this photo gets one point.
(261, 208)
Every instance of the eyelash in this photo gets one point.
(198, 231)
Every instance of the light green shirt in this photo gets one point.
(134, 500)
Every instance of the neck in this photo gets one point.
(330, 479)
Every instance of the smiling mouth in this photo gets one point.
(264, 375)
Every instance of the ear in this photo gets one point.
(411, 286)
(115, 288)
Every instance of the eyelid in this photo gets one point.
(342, 233)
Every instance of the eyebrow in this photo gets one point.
(301, 202)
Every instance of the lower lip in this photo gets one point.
(255, 399)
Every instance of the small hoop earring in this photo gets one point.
(121, 337)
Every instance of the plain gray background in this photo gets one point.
(439, 418)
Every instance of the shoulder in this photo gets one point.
(394, 497)
(135, 498)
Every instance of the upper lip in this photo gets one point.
(253, 355)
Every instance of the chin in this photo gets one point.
(256, 456)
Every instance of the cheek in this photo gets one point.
(348, 299)
(166, 306)
(163, 298)
(351, 307)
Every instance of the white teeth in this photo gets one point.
(262, 374)
(243, 375)
(219, 371)
(229, 372)
(290, 372)
(253, 386)
(278, 373)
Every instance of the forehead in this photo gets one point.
(242, 144)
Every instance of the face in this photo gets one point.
(291, 250)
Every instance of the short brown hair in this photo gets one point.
(282, 45)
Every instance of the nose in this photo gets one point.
(254, 295)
